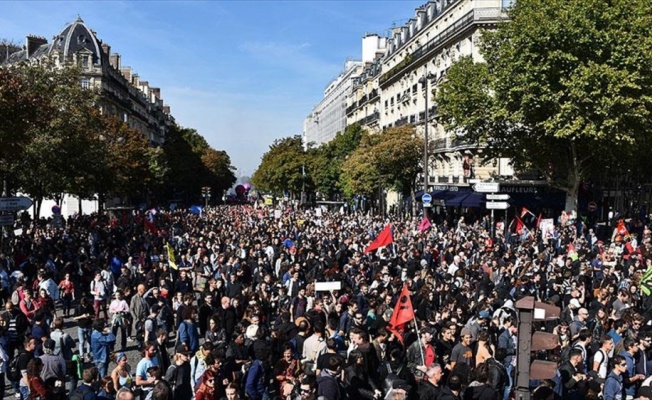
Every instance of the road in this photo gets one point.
(70, 327)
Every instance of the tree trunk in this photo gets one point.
(574, 180)
(37, 206)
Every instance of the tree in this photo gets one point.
(325, 162)
(566, 90)
(398, 156)
(54, 152)
(220, 171)
(281, 168)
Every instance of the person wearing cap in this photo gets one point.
(178, 374)
(420, 355)
(476, 325)
(54, 367)
(613, 385)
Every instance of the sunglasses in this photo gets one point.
(211, 381)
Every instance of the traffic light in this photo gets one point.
(206, 191)
(530, 311)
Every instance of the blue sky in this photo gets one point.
(242, 73)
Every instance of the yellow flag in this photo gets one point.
(171, 260)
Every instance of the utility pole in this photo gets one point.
(425, 79)
(206, 194)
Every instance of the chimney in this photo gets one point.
(156, 93)
(114, 60)
(33, 42)
(166, 109)
(126, 72)
(106, 48)
(135, 80)
(144, 87)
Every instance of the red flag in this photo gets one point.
(151, 227)
(519, 225)
(403, 313)
(525, 211)
(572, 253)
(539, 220)
(383, 239)
(425, 224)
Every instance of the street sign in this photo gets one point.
(487, 187)
(6, 220)
(498, 196)
(497, 205)
(15, 203)
(426, 198)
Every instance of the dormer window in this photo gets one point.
(81, 39)
(85, 61)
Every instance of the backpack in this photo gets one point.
(81, 392)
(13, 371)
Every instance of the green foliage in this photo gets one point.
(325, 163)
(567, 88)
(397, 157)
(53, 140)
(192, 164)
(282, 167)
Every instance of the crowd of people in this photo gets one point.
(253, 302)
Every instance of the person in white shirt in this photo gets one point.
(601, 357)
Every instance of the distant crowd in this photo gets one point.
(280, 303)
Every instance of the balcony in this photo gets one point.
(439, 144)
(370, 118)
(351, 108)
(474, 17)
(401, 121)
(373, 94)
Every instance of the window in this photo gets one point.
(86, 83)
(85, 61)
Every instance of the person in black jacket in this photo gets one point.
(357, 381)
(573, 382)
(328, 385)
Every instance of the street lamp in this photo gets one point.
(427, 76)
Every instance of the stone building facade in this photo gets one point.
(391, 91)
(123, 93)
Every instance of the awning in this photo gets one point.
(466, 199)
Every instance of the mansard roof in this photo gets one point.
(75, 37)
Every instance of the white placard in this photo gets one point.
(327, 286)
(318, 212)
(539, 314)
(277, 214)
(547, 226)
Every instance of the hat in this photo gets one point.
(645, 391)
(181, 349)
(401, 384)
(574, 303)
(119, 356)
(252, 331)
(424, 263)
(49, 344)
(466, 331)
(484, 315)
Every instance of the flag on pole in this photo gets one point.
(525, 211)
(572, 253)
(382, 240)
(646, 282)
(403, 313)
(539, 221)
(171, 259)
(425, 224)
(519, 226)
